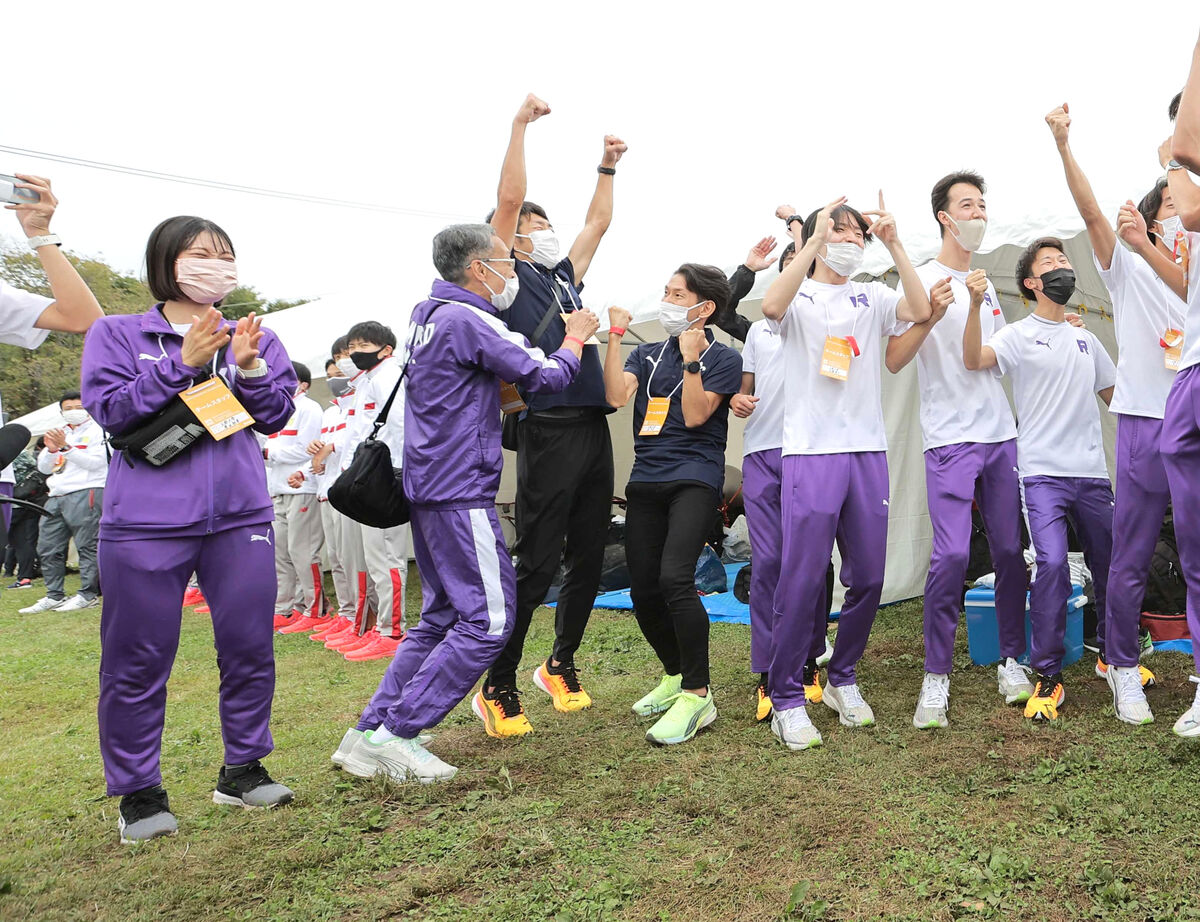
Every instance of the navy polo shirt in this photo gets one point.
(541, 288)
(677, 452)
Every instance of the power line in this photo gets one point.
(229, 187)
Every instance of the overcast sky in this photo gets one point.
(728, 110)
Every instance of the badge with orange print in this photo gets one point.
(217, 409)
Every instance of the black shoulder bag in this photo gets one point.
(168, 433)
(371, 489)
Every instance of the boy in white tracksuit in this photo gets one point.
(298, 533)
(76, 458)
(385, 550)
(333, 433)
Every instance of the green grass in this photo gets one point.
(583, 820)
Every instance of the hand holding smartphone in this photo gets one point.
(12, 194)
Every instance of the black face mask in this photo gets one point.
(1058, 285)
(365, 361)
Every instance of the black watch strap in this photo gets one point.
(693, 367)
(607, 170)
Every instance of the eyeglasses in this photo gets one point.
(499, 260)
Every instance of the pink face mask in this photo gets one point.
(205, 281)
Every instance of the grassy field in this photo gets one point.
(583, 820)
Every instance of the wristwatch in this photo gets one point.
(45, 241)
(693, 367)
(791, 218)
(1174, 164)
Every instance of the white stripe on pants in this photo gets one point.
(343, 584)
(386, 554)
(298, 538)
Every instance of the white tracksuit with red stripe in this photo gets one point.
(298, 532)
(343, 570)
(385, 549)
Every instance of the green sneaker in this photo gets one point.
(687, 717)
(1145, 644)
(661, 698)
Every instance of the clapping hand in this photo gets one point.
(246, 338)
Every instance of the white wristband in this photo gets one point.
(45, 241)
(259, 370)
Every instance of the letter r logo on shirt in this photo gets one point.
(1083, 346)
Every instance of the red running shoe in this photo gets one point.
(342, 637)
(193, 597)
(382, 648)
(357, 644)
(302, 623)
(331, 627)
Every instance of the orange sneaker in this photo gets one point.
(297, 625)
(343, 638)
(365, 640)
(1048, 697)
(280, 620)
(382, 648)
(502, 714)
(331, 627)
(193, 597)
(563, 687)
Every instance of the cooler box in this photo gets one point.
(983, 637)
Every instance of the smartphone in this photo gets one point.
(12, 195)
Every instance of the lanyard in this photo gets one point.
(658, 361)
(853, 325)
(554, 283)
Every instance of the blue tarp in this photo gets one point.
(721, 606)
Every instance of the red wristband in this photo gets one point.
(617, 331)
(576, 339)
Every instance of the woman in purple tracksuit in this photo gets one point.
(206, 511)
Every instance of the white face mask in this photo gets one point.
(503, 299)
(674, 317)
(970, 233)
(843, 258)
(75, 417)
(1171, 228)
(347, 367)
(545, 247)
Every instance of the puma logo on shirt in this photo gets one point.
(1041, 342)
(266, 537)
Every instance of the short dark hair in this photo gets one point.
(1025, 263)
(940, 197)
(1149, 205)
(166, 242)
(330, 361)
(69, 395)
(339, 345)
(527, 208)
(372, 331)
(708, 283)
(841, 216)
(303, 375)
(789, 250)
(1173, 108)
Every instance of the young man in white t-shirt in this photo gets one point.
(1180, 440)
(1056, 369)
(970, 455)
(1148, 317)
(835, 479)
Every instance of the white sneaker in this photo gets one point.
(1013, 679)
(848, 702)
(825, 657)
(46, 604)
(78, 603)
(793, 728)
(398, 759)
(340, 754)
(1129, 698)
(933, 703)
(1189, 724)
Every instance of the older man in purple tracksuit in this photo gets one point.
(459, 353)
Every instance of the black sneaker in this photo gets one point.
(145, 815)
(22, 584)
(1092, 643)
(249, 786)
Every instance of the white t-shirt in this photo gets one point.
(1056, 371)
(1191, 339)
(1143, 307)
(824, 416)
(19, 311)
(761, 357)
(958, 405)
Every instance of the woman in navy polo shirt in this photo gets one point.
(681, 389)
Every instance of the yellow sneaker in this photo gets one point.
(812, 686)
(1144, 674)
(763, 706)
(563, 687)
(1048, 697)
(501, 713)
